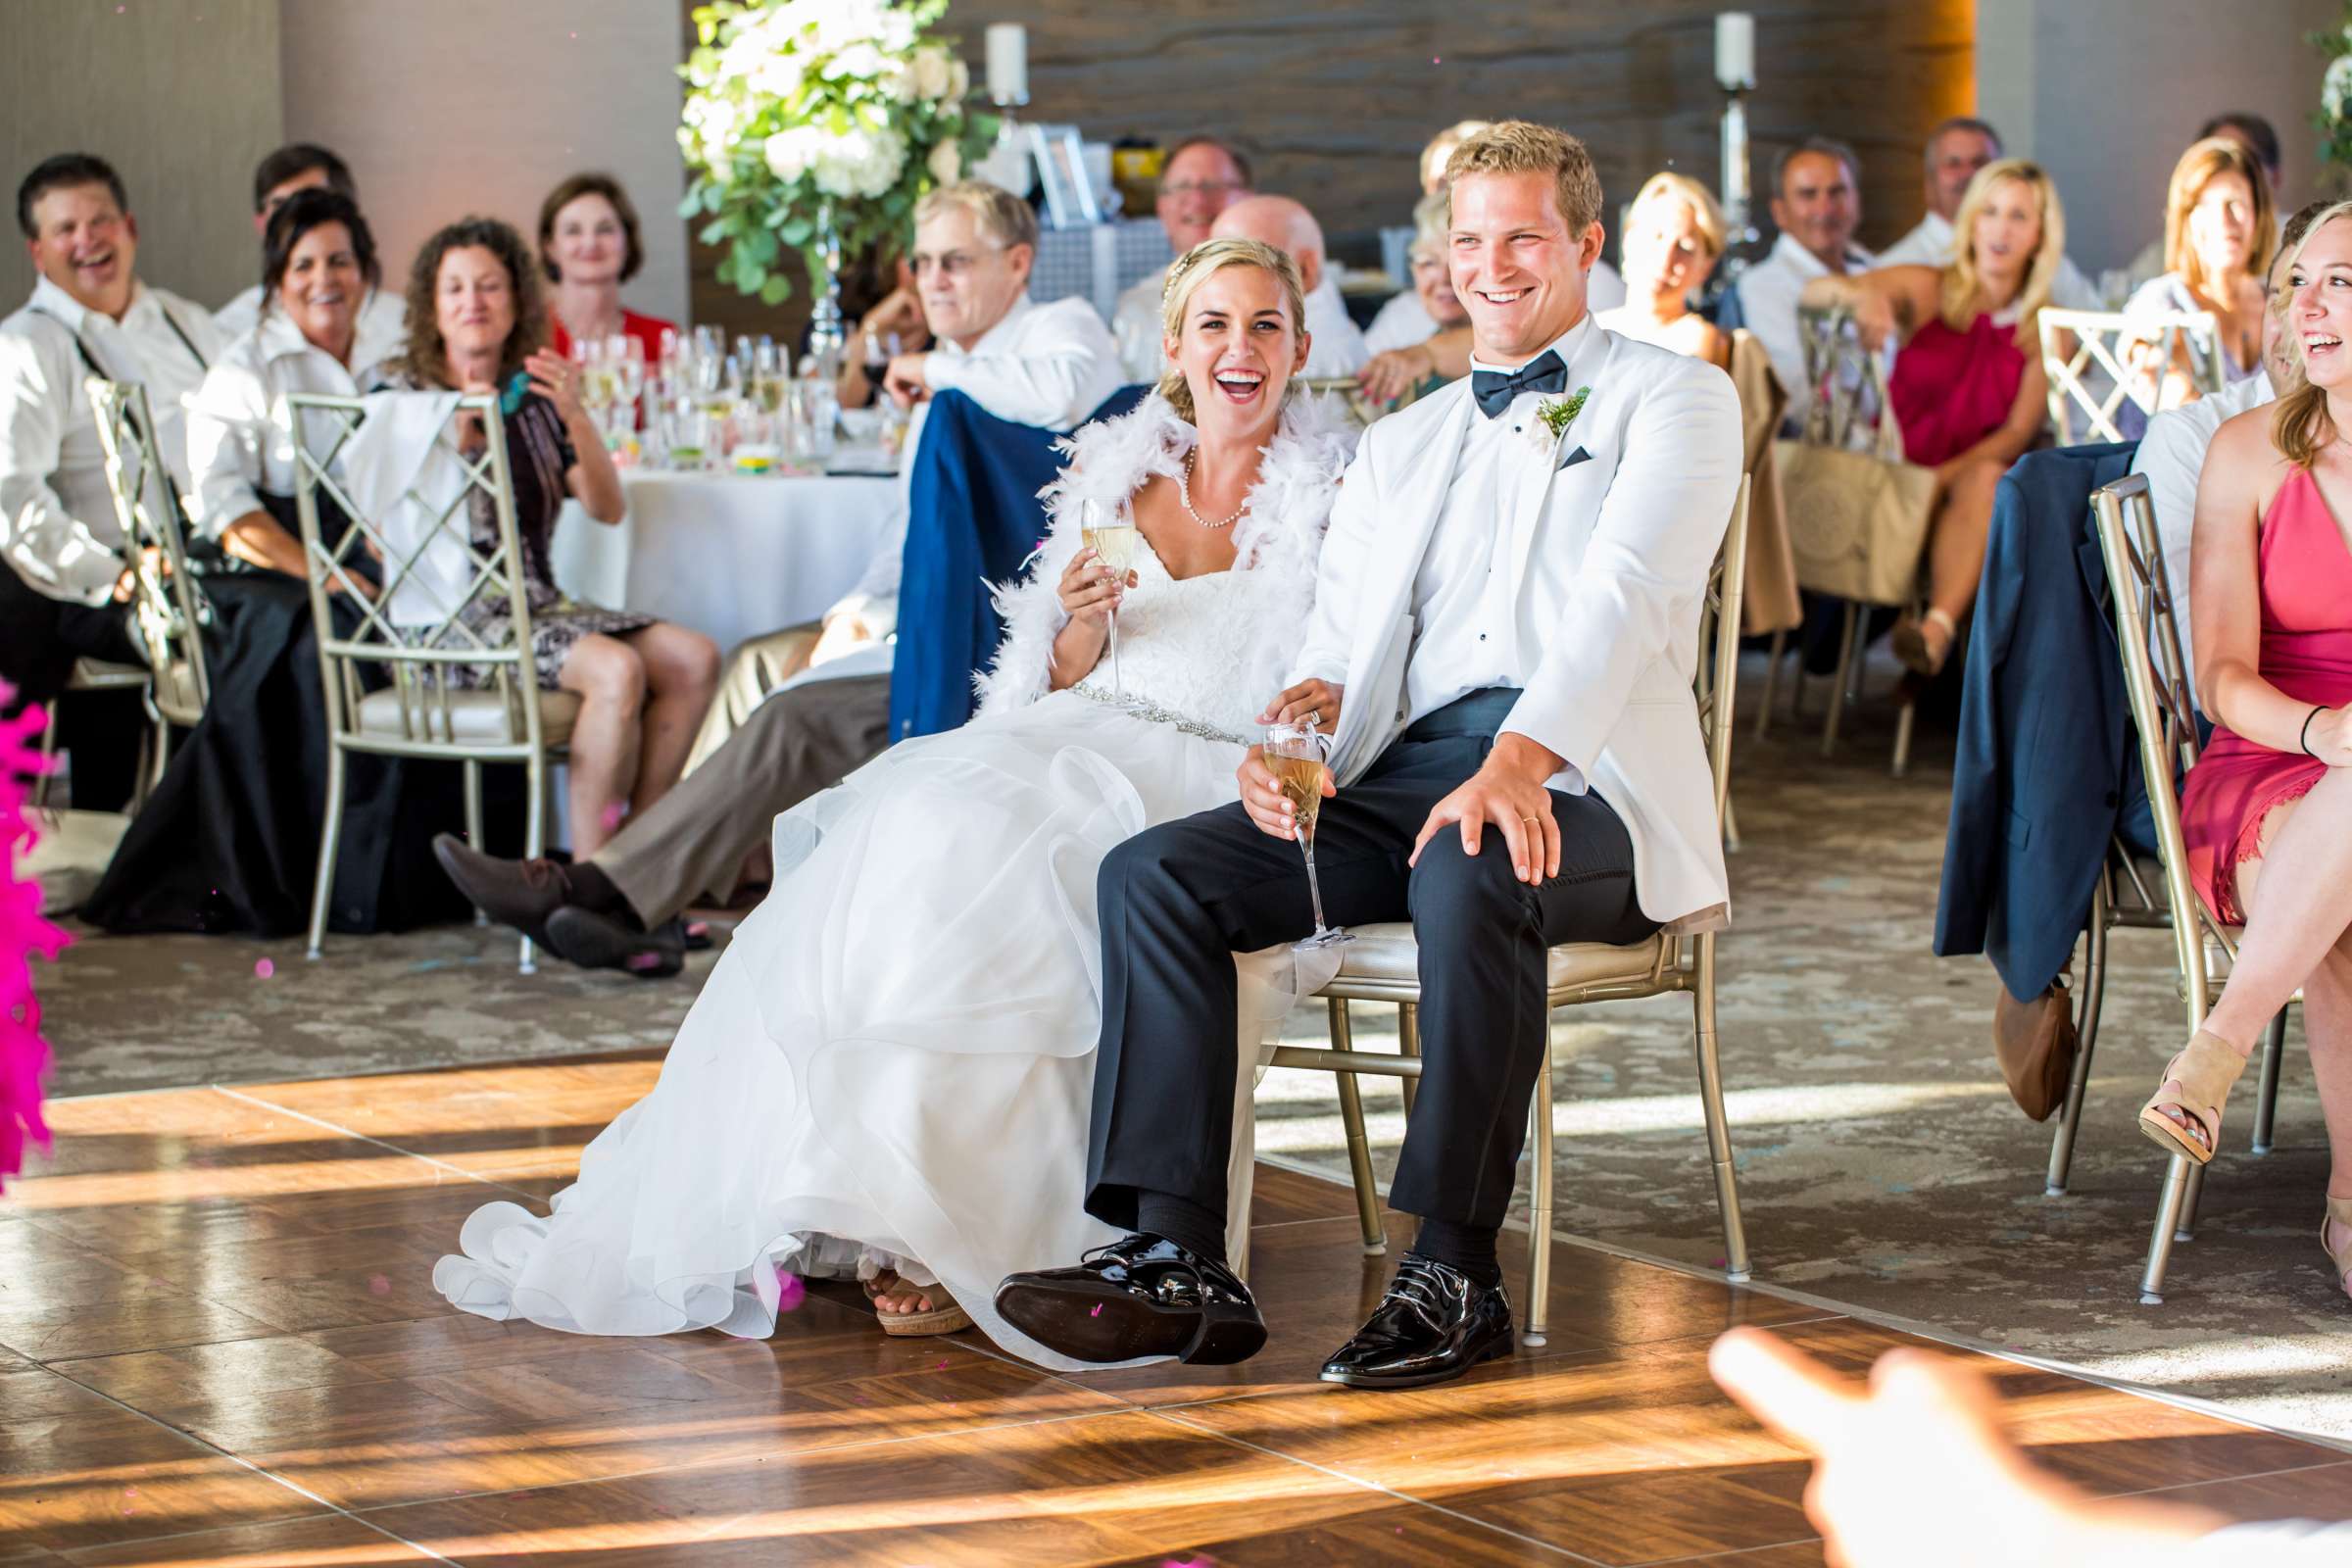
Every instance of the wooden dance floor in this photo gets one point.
(220, 1343)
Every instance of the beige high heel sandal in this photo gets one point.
(2197, 1083)
(2340, 1210)
(1910, 643)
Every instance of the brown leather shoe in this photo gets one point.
(520, 894)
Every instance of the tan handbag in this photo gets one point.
(2035, 1042)
(1857, 520)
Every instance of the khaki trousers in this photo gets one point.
(692, 842)
(759, 668)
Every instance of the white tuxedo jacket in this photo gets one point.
(1611, 557)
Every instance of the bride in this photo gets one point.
(890, 1070)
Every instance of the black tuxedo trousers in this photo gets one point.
(1178, 900)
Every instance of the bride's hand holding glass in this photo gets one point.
(1089, 591)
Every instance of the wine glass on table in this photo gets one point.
(1299, 755)
(624, 356)
(1109, 531)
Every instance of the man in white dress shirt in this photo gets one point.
(1956, 150)
(1337, 346)
(303, 166)
(1201, 177)
(1817, 205)
(67, 580)
(1503, 639)
(1048, 365)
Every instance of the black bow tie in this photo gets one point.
(1495, 390)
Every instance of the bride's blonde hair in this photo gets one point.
(1197, 266)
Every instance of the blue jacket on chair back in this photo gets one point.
(2047, 773)
(973, 517)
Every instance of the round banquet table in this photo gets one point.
(732, 557)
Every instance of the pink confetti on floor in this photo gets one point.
(791, 1292)
(378, 1285)
(264, 969)
(612, 814)
(1095, 1311)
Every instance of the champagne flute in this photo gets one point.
(1111, 537)
(1299, 755)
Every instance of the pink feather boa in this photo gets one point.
(24, 1056)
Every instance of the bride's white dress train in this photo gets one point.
(892, 1064)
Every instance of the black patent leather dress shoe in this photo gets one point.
(1142, 1296)
(1434, 1324)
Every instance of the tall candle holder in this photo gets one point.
(1736, 75)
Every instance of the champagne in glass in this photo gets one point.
(1112, 540)
(1300, 758)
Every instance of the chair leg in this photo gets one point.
(2086, 1029)
(534, 831)
(1539, 1210)
(1846, 684)
(40, 786)
(2186, 1229)
(1772, 682)
(1408, 1044)
(328, 838)
(2265, 1101)
(1731, 829)
(1710, 1094)
(2160, 1240)
(1359, 1149)
(473, 822)
(1903, 718)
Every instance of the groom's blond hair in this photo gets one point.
(1522, 147)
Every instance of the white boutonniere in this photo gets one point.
(1553, 416)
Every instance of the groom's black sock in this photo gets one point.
(1467, 1247)
(591, 889)
(1195, 1227)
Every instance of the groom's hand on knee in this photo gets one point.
(1510, 795)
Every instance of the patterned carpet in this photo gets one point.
(1882, 1164)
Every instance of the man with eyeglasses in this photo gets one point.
(1048, 365)
(1201, 177)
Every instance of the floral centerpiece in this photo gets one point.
(814, 126)
(2334, 118)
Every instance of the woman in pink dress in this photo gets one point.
(1968, 387)
(2267, 811)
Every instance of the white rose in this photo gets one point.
(843, 23)
(945, 162)
(959, 80)
(790, 154)
(861, 163)
(778, 76)
(896, 31)
(861, 60)
(929, 71)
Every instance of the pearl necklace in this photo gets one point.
(1184, 493)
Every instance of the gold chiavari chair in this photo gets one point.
(2091, 382)
(2156, 682)
(1382, 965)
(389, 685)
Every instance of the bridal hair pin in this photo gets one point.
(1176, 269)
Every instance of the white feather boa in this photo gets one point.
(1277, 539)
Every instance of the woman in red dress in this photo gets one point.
(1968, 387)
(2267, 811)
(589, 246)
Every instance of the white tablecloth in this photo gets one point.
(731, 556)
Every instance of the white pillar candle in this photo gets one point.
(1008, 63)
(1734, 50)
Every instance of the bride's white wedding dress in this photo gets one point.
(892, 1064)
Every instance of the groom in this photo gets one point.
(1503, 640)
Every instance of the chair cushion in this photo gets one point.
(176, 695)
(480, 719)
(1386, 956)
(97, 675)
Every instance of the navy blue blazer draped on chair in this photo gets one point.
(2047, 770)
(973, 517)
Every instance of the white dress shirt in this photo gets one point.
(1930, 245)
(2171, 454)
(240, 430)
(383, 323)
(1048, 364)
(1136, 325)
(1768, 298)
(1338, 346)
(57, 520)
(1464, 606)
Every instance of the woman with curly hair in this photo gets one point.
(477, 323)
